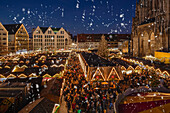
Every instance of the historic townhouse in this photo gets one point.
(151, 27)
(47, 38)
(13, 38)
(3, 40)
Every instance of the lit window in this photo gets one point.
(62, 32)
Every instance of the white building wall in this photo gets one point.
(51, 40)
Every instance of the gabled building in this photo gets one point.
(97, 68)
(48, 38)
(13, 38)
(91, 41)
(3, 39)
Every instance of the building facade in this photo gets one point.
(88, 41)
(3, 40)
(30, 44)
(47, 38)
(14, 37)
(91, 41)
(151, 27)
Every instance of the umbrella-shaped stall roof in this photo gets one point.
(21, 62)
(22, 76)
(54, 65)
(24, 66)
(138, 68)
(130, 68)
(7, 67)
(44, 66)
(2, 76)
(33, 75)
(158, 70)
(123, 68)
(46, 75)
(36, 66)
(18, 69)
(11, 76)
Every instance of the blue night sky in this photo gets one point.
(77, 16)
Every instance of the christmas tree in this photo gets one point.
(102, 49)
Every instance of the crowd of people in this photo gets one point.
(81, 95)
(146, 78)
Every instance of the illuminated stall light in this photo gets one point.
(54, 65)
(36, 66)
(21, 62)
(24, 66)
(166, 73)
(138, 68)
(11, 76)
(33, 75)
(15, 62)
(158, 71)
(152, 68)
(123, 71)
(113, 70)
(15, 59)
(2, 58)
(22, 76)
(61, 65)
(101, 74)
(2, 76)
(7, 67)
(147, 66)
(18, 69)
(56, 75)
(130, 68)
(47, 75)
(128, 72)
(112, 57)
(137, 62)
(123, 68)
(44, 66)
(27, 62)
(43, 57)
(141, 63)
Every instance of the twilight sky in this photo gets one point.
(77, 16)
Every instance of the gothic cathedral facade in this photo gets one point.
(151, 27)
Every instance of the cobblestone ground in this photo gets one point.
(63, 108)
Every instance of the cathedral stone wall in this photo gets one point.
(150, 27)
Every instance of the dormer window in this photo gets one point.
(38, 31)
(49, 31)
(62, 32)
